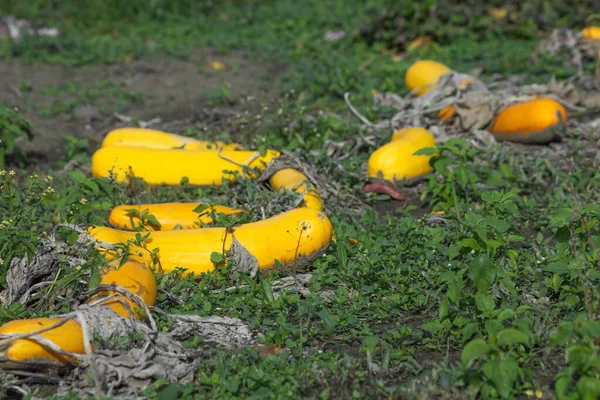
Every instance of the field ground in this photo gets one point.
(463, 303)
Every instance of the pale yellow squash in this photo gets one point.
(292, 237)
(150, 138)
(162, 166)
(396, 162)
(424, 74)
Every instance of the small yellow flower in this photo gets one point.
(11, 173)
(49, 177)
(2, 173)
(1, 261)
(83, 201)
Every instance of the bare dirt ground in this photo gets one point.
(179, 93)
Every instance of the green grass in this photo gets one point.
(497, 299)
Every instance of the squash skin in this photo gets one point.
(292, 179)
(132, 276)
(424, 74)
(68, 336)
(164, 166)
(168, 214)
(395, 162)
(592, 33)
(295, 235)
(154, 139)
(528, 122)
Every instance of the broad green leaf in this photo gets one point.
(497, 224)
(455, 289)
(470, 243)
(432, 326)
(591, 327)
(483, 273)
(503, 373)
(462, 176)
(426, 151)
(557, 267)
(562, 217)
(484, 302)
(474, 349)
(216, 257)
(510, 337)
(461, 321)
(588, 387)
(77, 176)
(505, 314)
(152, 219)
(563, 334)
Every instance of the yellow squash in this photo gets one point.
(293, 179)
(529, 122)
(292, 237)
(592, 33)
(396, 162)
(68, 336)
(164, 166)
(169, 215)
(132, 276)
(424, 74)
(150, 138)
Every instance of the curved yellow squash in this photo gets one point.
(132, 276)
(150, 138)
(395, 161)
(292, 179)
(592, 33)
(68, 336)
(424, 74)
(528, 122)
(293, 236)
(169, 215)
(162, 166)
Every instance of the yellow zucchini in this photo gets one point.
(68, 336)
(528, 122)
(396, 162)
(162, 166)
(424, 74)
(292, 179)
(591, 33)
(132, 276)
(293, 236)
(169, 215)
(150, 138)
